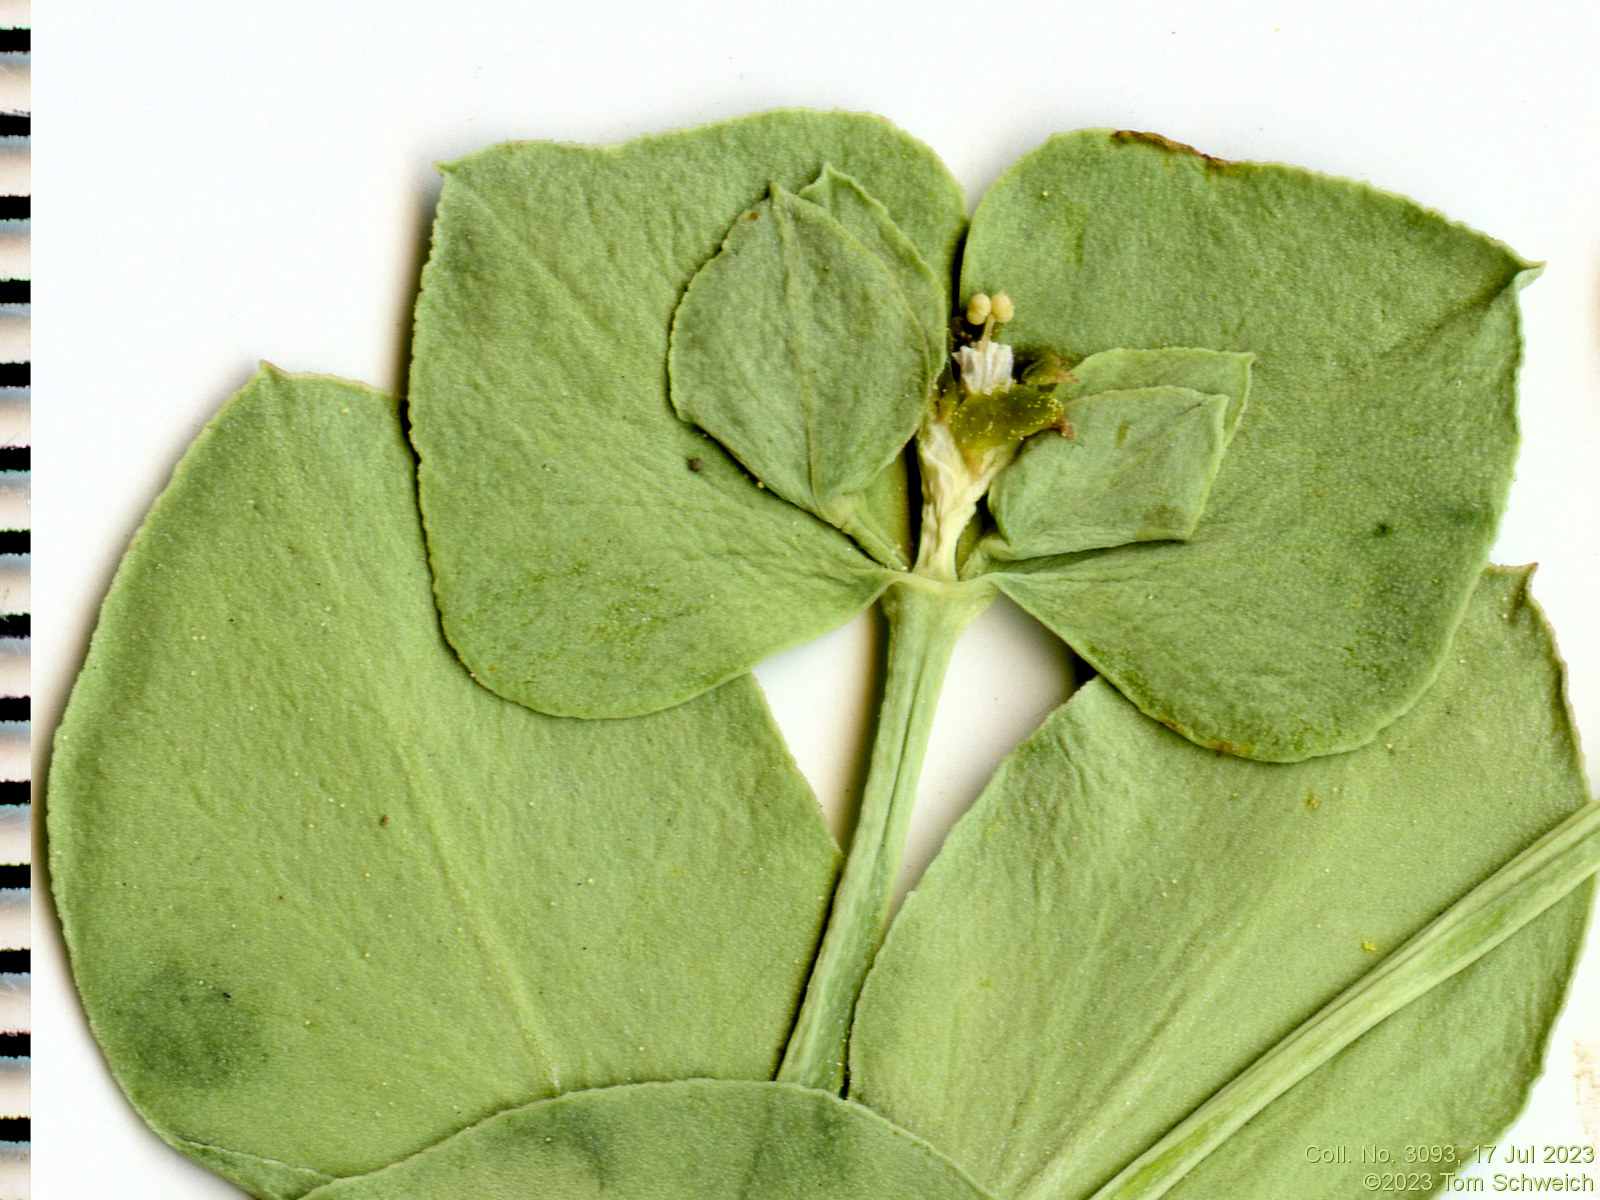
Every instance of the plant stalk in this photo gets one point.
(1477, 923)
(925, 619)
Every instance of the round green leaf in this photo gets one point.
(1356, 504)
(694, 1140)
(1126, 921)
(796, 348)
(327, 899)
(593, 554)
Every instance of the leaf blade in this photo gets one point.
(796, 349)
(1137, 466)
(870, 223)
(1125, 922)
(1357, 502)
(560, 492)
(1209, 372)
(1541, 876)
(662, 1141)
(308, 870)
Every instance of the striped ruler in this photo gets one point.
(15, 625)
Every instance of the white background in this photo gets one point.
(224, 181)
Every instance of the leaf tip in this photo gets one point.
(1530, 271)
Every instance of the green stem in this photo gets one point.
(925, 619)
(1477, 923)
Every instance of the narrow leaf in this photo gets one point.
(1540, 876)
(1126, 922)
(881, 518)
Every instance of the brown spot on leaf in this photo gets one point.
(1127, 136)
(696, 464)
(384, 819)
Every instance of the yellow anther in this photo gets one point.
(978, 309)
(1000, 304)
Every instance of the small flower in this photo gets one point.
(985, 367)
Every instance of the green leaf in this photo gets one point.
(327, 899)
(1125, 922)
(881, 521)
(869, 222)
(1544, 874)
(593, 554)
(1209, 372)
(883, 514)
(695, 1140)
(1355, 506)
(796, 348)
(1131, 466)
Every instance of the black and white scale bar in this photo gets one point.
(15, 1130)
